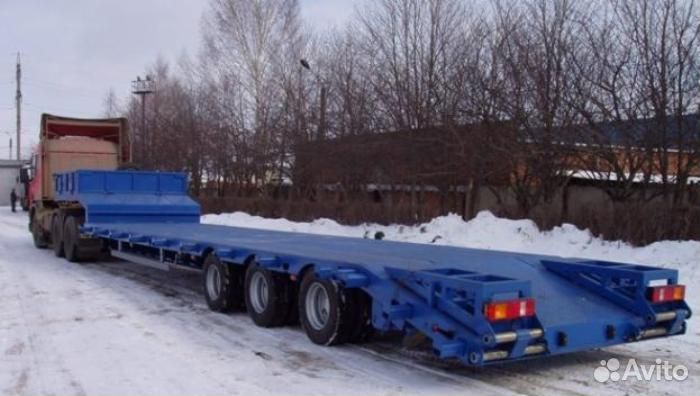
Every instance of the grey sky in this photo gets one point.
(74, 51)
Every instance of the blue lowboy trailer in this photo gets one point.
(478, 306)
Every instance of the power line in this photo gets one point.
(70, 92)
(61, 87)
(49, 108)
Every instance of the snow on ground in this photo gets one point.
(114, 328)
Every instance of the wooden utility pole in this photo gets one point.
(321, 130)
(18, 103)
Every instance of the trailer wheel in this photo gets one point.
(38, 235)
(57, 236)
(267, 297)
(221, 284)
(323, 311)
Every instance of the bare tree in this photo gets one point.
(638, 79)
(411, 52)
(517, 96)
(249, 43)
(664, 38)
(535, 42)
(110, 104)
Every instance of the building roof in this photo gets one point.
(684, 128)
(5, 163)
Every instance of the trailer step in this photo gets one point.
(653, 332)
(502, 354)
(511, 336)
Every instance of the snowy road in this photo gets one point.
(115, 328)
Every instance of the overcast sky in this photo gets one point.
(74, 51)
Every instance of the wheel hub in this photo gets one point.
(213, 282)
(258, 292)
(318, 306)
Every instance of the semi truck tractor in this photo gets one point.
(67, 144)
(477, 306)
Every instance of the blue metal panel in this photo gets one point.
(70, 185)
(128, 196)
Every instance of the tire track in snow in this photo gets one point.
(29, 299)
(183, 304)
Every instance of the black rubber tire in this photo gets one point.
(75, 248)
(292, 318)
(338, 325)
(71, 249)
(360, 313)
(38, 235)
(279, 299)
(57, 236)
(230, 295)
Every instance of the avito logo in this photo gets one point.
(609, 370)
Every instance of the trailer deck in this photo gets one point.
(451, 295)
(376, 256)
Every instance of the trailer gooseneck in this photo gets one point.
(477, 306)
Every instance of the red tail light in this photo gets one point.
(511, 309)
(660, 294)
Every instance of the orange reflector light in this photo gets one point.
(660, 294)
(511, 309)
